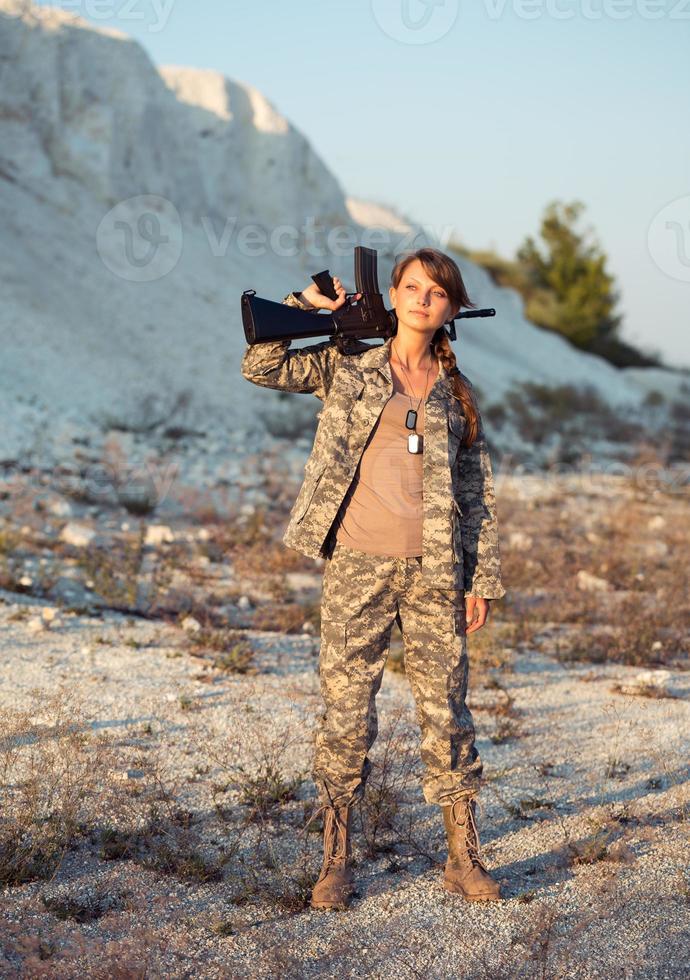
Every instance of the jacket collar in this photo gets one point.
(378, 359)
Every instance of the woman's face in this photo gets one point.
(420, 303)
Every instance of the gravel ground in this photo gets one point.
(584, 819)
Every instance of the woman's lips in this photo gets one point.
(419, 313)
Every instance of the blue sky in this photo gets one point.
(506, 105)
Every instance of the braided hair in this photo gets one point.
(444, 271)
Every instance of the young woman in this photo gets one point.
(398, 499)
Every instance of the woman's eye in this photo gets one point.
(412, 286)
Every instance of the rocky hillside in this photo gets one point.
(129, 195)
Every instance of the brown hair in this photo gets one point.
(443, 270)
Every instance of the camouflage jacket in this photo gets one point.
(459, 531)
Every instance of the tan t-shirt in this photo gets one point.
(382, 511)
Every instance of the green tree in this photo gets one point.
(566, 285)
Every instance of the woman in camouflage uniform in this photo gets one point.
(398, 499)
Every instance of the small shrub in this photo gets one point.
(228, 653)
(50, 775)
(590, 849)
(285, 618)
(524, 808)
(114, 571)
(186, 864)
(265, 789)
(394, 766)
(616, 768)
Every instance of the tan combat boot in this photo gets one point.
(465, 871)
(335, 884)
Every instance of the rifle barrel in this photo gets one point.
(468, 314)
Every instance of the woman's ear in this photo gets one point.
(391, 295)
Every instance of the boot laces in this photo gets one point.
(334, 833)
(471, 830)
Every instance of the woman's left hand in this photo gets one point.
(476, 612)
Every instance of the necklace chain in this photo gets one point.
(410, 384)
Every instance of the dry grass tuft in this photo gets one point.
(50, 766)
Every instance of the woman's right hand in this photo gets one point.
(321, 302)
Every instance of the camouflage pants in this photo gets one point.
(362, 596)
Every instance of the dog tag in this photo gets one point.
(414, 443)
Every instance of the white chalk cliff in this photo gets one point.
(99, 146)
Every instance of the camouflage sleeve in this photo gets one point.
(481, 557)
(307, 370)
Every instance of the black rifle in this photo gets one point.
(265, 321)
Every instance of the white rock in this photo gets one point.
(78, 535)
(656, 549)
(653, 678)
(243, 603)
(191, 625)
(587, 582)
(60, 508)
(157, 534)
(656, 523)
(519, 541)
